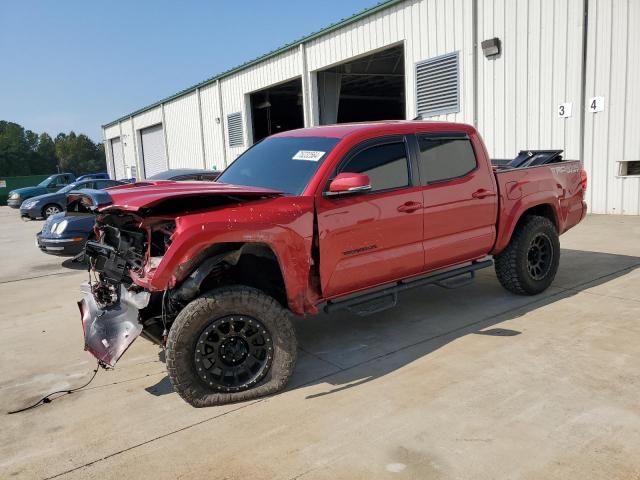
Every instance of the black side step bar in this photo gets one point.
(373, 302)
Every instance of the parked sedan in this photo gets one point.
(48, 185)
(65, 234)
(49, 204)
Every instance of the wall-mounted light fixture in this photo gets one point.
(491, 48)
(218, 120)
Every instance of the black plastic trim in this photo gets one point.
(333, 305)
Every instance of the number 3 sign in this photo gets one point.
(564, 110)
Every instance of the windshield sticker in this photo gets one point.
(308, 155)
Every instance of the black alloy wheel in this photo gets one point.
(233, 353)
(539, 256)
(232, 344)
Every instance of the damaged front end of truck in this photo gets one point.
(112, 303)
(135, 228)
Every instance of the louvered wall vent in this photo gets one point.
(438, 85)
(236, 135)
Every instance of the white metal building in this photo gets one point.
(553, 74)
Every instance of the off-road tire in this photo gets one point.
(512, 263)
(197, 315)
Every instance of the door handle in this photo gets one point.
(409, 207)
(482, 193)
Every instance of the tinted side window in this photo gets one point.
(385, 164)
(210, 177)
(444, 159)
(185, 178)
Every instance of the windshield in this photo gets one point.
(46, 181)
(70, 187)
(285, 164)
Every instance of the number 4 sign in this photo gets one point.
(596, 104)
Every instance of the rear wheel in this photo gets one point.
(51, 209)
(529, 263)
(232, 344)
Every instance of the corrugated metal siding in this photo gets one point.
(539, 68)
(183, 132)
(235, 89)
(212, 130)
(148, 118)
(112, 132)
(129, 147)
(613, 72)
(115, 145)
(427, 28)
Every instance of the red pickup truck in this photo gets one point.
(331, 217)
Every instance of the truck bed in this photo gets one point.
(558, 185)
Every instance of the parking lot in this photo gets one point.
(468, 383)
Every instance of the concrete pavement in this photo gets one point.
(469, 383)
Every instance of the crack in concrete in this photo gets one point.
(14, 280)
(106, 457)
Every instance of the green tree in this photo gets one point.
(46, 154)
(14, 150)
(23, 152)
(78, 154)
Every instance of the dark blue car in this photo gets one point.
(65, 234)
(93, 176)
(49, 204)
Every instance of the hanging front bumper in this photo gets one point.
(109, 331)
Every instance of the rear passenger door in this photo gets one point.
(459, 197)
(374, 237)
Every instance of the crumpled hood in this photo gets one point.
(147, 194)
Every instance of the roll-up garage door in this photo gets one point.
(118, 159)
(153, 152)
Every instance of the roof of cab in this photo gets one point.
(378, 128)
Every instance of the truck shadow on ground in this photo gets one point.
(343, 350)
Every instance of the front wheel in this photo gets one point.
(229, 345)
(529, 263)
(51, 209)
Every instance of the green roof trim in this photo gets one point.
(334, 26)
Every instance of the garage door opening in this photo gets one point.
(277, 109)
(152, 149)
(364, 89)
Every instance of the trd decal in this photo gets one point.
(360, 250)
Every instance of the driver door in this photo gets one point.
(372, 237)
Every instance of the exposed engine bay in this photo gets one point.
(125, 244)
(114, 309)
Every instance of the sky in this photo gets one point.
(76, 65)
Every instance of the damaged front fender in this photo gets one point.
(109, 331)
